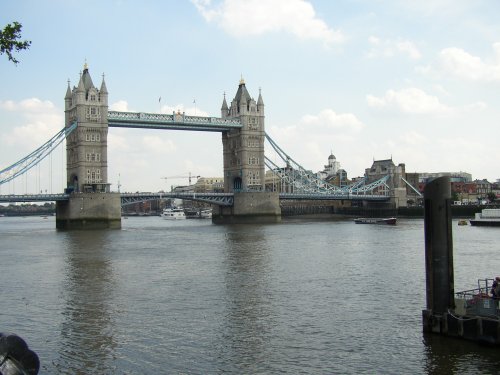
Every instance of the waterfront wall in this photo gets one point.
(323, 207)
(249, 207)
(89, 211)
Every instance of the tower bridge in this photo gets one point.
(88, 202)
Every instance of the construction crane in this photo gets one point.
(189, 177)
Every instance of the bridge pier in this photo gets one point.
(249, 207)
(89, 211)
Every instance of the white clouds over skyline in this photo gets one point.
(390, 48)
(328, 120)
(460, 63)
(242, 18)
(410, 101)
(41, 120)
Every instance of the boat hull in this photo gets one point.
(485, 223)
(370, 220)
(489, 217)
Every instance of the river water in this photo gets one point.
(190, 297)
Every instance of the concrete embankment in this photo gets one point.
(313, 208)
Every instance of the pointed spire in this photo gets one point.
(104, 89)
(68, 92)
(81, 86)
(224, 103)
(260, 102)
(87, 80)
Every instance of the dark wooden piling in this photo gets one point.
(438, 246)
(438, 254)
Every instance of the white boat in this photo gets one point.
(173, 214)
(489, 217)
(206, 214)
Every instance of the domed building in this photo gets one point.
(332, 167)
(333, 173)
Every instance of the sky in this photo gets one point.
(415, 81)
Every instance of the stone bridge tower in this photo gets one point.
(86, 147)
(244, 173)
(90, 204)
(244, 148)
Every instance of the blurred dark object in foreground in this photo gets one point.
(15, 356)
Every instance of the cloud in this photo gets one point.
(241, 18)
(42, 120)
(413, 138)
(310, 140)
(120, 105)
(459, 63)
(476, 107)
(31, 105)
(190, 111)
(327, 120)
(158, 145)
(118, 142)
(411, 101)
(389, 48)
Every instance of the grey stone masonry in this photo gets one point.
(86, 147)
(243, 148)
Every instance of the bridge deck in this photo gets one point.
(221, 199)
(175, 121)
(33, 198)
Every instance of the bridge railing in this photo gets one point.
(159, 119)
(11, 198)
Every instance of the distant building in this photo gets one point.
(333, 173)
(463, 188)
(396, 187)
(425, 177)
(414, 191)
(274, 183)
(495, 189)
(483, 188)
(209, 185)
(330, 169)
(339, 178)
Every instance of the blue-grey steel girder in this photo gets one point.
(307, 180)
(33, 198)
(175, 121)
(220, 199)
(304, 181)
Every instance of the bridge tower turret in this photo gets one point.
(86, 147)
(244, 148)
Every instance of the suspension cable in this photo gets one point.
(25, 164)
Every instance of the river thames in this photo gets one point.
(190, 297)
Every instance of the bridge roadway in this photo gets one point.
(175, 121)
(221, 199)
